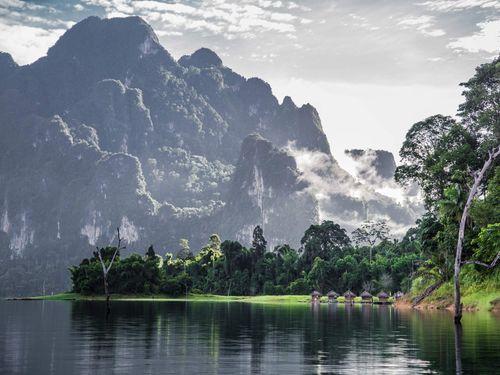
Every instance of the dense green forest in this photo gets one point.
(440, 153)
(327, 260)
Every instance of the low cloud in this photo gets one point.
(350, 201)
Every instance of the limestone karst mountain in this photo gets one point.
(110, 130)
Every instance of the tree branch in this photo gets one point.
(489, 266)
(118, 248)
(104, 270)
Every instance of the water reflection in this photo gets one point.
(212, 338)
(458, 349)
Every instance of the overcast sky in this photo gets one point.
(371, 67)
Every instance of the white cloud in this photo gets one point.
(486, 39)
(29, 43)
(433, 32)
(424, 24)
(293, 5)
(228, 18)
(79, 7)
(425, 21)
(456, 5)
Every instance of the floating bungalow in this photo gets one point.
(332, 296)
(349, 296)
(383, 298)
(315, 296)
(366, 297)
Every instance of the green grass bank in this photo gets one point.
(271, 299)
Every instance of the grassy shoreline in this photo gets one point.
(269, 299)
(478, 301)
(164, 298)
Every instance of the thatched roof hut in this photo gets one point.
(366, 297)
(332, 295)
(349, 296)
(315, 296)
(383, 297)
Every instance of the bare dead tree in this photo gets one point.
(107, 268)
(478, 177)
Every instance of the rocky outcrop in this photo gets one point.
(267, 190)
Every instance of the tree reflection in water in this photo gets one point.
(199, 337)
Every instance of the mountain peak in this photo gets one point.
(117, 37)
(7, 63)
(288, 103)
(201, 58)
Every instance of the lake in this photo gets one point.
(65, 337)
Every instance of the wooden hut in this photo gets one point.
(332, 296)
(366, 297)
(315, 296)
(349, 296)
(383, 297)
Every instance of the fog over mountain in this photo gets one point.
(109, 130)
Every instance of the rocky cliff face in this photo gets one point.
(109, 130)
(267, 187)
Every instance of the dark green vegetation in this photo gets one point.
(440, 153)
(326, 260)
(445, 156)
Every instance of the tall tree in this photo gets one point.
(185, 251)
(481, 114)
(259, 243)
(478, 177)
(107, 264)
(323, 240)
(370, 233)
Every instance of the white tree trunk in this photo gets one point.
(461, 231)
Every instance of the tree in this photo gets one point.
(259, 243)
(370, 233)
(481, 114)
(150, 253)
(436, 152)
(385, 282)
(322, 241)
(212, 251)
(417, 154)
(478, 177)
(440, 154)
(318, 276)
(107, 267)
(185, 251)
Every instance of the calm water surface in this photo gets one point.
(62, 337)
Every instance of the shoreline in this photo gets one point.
(494, 305)
(472, 305)
(264, 299)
